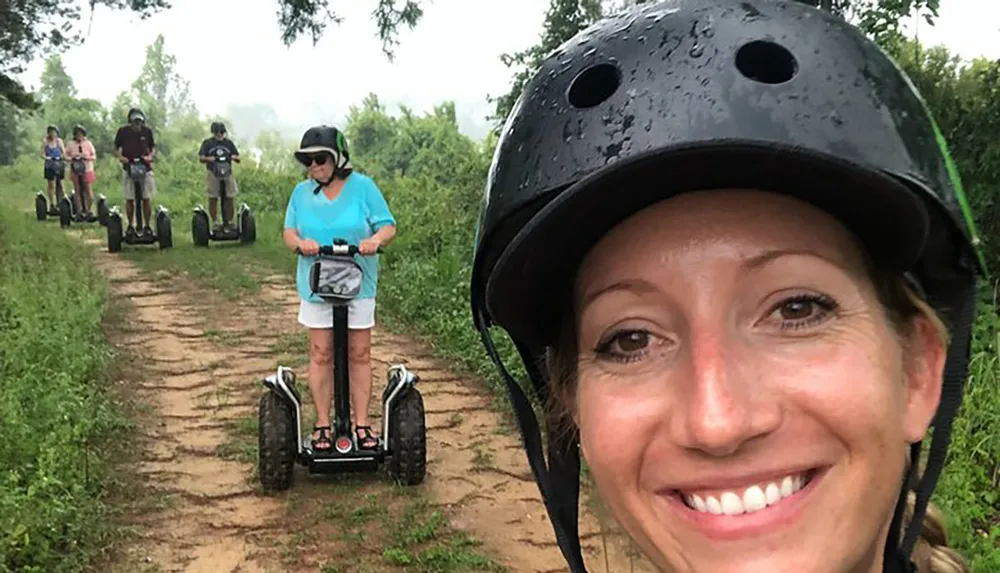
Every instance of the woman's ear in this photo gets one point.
(924, 358)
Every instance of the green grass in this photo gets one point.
(55, 416)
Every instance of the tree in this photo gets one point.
(56, 83)
(10, 131)
(163, 96)
(879, 18)
(563, 20)
(30, 28)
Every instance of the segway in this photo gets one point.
(137, 170)
(42, 208)
(336, 277)
(72, 209)
(246, 229)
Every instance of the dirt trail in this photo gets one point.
(214, 518)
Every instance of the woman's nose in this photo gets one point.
(725, 403)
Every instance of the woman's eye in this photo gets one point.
(797, 309)
(625, 345)
(803, 310)
(633, 341)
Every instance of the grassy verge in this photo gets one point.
(56, 417)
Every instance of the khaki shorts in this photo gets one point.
(148, 190)
(212, 185)
(360, 314)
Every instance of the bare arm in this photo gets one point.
(292, 239)
(385, 235)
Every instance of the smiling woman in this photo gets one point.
(736, 258)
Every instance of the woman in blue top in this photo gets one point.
(53, 150)
(337, 203)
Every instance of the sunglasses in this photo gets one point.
(318, 159)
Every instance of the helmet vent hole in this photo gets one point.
(766, 62)
(593, 86)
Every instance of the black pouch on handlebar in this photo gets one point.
(335, 278)
(137, 171)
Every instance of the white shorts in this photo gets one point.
(360, 314)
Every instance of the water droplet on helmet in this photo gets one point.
(696, 51)
(707, 29)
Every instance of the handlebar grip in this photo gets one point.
(330, 250)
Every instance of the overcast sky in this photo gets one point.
(231, 52)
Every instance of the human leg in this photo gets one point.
(361, 319)
(312, 316)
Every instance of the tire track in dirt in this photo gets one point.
(217, 519)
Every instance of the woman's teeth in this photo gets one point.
(753, 498)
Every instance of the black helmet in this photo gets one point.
(218, 127)
(52, 127)
(136, 113)
(79, 129)
(324, 138)
(649, 104)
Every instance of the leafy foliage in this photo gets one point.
(29, 28)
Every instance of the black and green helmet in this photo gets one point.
(679, 96)
(323, 138)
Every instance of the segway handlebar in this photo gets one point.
(332, 250)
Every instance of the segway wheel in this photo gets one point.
(65, 213)
(276, 443)
(248, 228)
(114, 234)
(408, 439)
(164, 234)
(102, 212)
(41, 207)
(199, 229)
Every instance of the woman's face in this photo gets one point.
(743, 402)
(324, 171)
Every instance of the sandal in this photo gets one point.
(368, 441)
(324, 438)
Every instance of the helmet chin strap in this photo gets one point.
(324, 184)
(339, 161)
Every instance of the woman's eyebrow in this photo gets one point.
(767, 257)
(635, 285)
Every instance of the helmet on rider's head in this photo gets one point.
(79, 130)
(218, 127)
(135, 114)
(325, 139)
(52, 129)
(789, 99)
